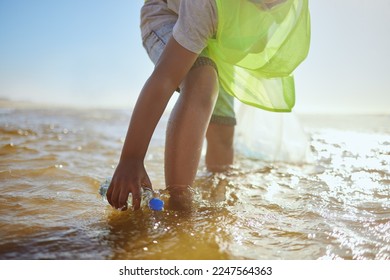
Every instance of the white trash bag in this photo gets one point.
(269, 136)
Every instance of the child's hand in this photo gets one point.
(128, 177)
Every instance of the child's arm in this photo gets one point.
(130, 174)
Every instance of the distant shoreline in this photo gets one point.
(23, 104)
(341, 121)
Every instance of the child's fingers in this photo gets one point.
(118, 193)
(115, 195)
(146, 182)
(122, 200)
(136, 198)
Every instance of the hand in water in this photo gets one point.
(129, 177)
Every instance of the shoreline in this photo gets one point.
(366, 122)
(24, 104)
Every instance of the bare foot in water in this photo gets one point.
(180, 197)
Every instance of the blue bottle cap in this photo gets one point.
(156, 204)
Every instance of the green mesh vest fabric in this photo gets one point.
(257, 49)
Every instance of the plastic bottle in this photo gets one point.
(147, 196)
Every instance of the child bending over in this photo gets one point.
(210, 51)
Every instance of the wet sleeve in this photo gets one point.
(196, 24)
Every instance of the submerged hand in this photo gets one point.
(129, 177)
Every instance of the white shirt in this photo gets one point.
(195, 20)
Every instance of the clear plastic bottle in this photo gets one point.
(147, 196)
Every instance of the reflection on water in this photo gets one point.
(52, 162)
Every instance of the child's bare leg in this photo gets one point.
(188, 124)
(220, 152)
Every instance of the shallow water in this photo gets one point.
(53, 160)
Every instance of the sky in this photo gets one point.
(89, 54)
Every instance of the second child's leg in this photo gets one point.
(220, 134)
(220, 151)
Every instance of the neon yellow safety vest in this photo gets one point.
(257, 49)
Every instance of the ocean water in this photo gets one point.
(53, 161)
